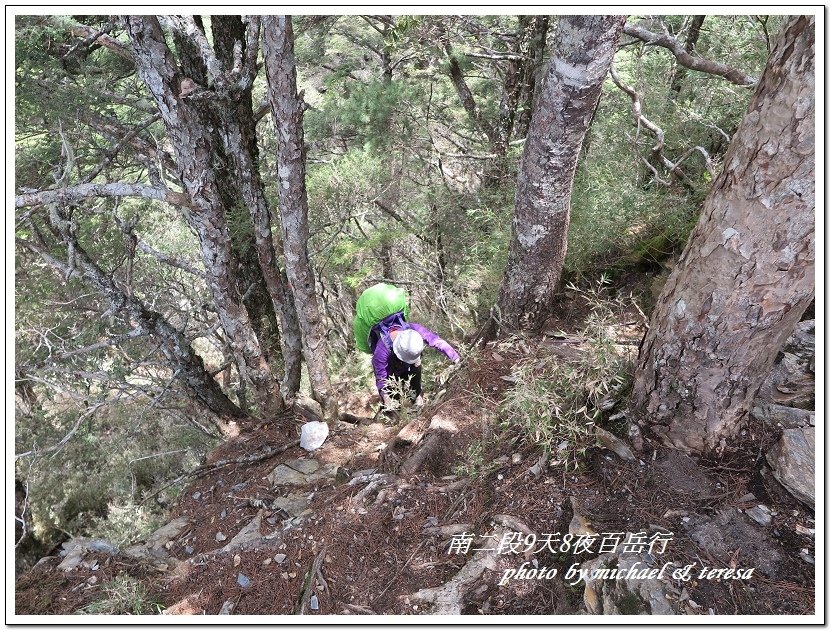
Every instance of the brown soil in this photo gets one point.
(374, 554)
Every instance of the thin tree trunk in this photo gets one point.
(689, 46)
(239, 137)
(184, 120)
(747, 273)
(533, 73)
(583, 49)
(287, 110)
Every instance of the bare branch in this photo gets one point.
(73, 194)
(641, 120)
(684, 58)
(168, 259)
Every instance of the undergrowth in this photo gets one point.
(556, 403)
(124, 595)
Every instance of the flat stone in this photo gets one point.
(293, 504)
(719, 536)
(283, 475)
(249, 535)
(628, 596)
(305, 466)
(442, 423)
(793, 463)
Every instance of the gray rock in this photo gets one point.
(719, 536)
(615, 444)
(792, 378)
(243, 580)
(628, 596)
(760, 514)
(197, 496)
(248, 536)
(227, 607)
(308, 408)
(780, 416)
(168, 532)
(102, 546)
(239, 487)
(305, 466)
(220, 537)
(283, 475)
(280, 558)
(313, 434)
(293, 504)
(189, 550)
(793, 463)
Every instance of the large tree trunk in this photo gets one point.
(287, 110)
(582, 52)
(747, 273)
(184, 118)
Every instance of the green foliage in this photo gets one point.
(124, 595)
(475, 464)
(95, 483)
(126, 523)
(555, 401)
(364, 110)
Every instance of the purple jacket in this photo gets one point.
(382, 351)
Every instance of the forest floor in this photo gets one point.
(351, 527)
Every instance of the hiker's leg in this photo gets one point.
(415, 382)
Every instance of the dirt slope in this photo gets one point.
(371, 519)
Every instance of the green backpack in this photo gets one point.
(373, 306)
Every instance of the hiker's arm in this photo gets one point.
(434, 341)
(380, 363)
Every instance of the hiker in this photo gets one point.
(396, 353)
(382, 330)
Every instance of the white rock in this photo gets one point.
(313, 435)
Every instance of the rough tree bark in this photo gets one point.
(184, 111)
(287, 108)
(239, 138)
(747, 273)
(582, 52)
(532, 72)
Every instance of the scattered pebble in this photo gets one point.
(237, 560)
(220, 537)
(760, 514)
(223, 514)
(197, 496)
(243, 580)
(239, 486)
(188, 550)
(266, 562)
(284, 575)
(313, 602)
(280, 558)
